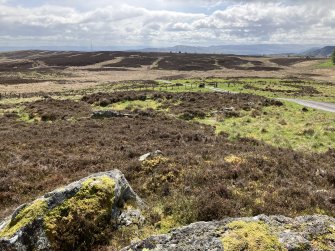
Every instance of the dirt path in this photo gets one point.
(219, 90)
(329, 107)
(155, 64)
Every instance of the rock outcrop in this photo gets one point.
(80, 215)
(72, 216)
(261, 233)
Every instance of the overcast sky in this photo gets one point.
(166, 22)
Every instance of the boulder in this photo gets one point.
(73, 216)
(260, 233)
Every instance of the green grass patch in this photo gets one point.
(131, 105)
(270, 87)
(287, 126)
(326, 64)
(15, 101)
(136, 104)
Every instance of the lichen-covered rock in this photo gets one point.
(260, 233)
(73, 216)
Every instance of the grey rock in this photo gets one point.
(32, 235)
(150, 155)
(109, 114)
(306, 233)
(294, 241)
(131, 217)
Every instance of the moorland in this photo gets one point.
(233, 142)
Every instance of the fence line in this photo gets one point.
(9, 95)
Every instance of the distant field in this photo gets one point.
(49, 71)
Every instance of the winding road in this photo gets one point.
(329, 107)
(324, 106)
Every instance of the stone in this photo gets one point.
(260, 233)
(54, 221)
(150, 155)
(109, 114)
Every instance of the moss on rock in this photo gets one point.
(26, 216)
(322, 242)
(82, 220)
(251, 236)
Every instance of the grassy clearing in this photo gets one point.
(15, 101)
(287, 126)
(137, 104)
(132, 105)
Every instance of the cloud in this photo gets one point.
(140, 23)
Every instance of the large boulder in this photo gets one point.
(72, 217)
(261, 233)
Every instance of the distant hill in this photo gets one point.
(321, 52)
(257, 49)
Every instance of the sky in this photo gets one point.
(160, 23)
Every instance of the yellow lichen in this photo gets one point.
(167, 223)
(233, 159)
(24, 217)
(325, 241)
(250, 236)
(84, 216)
(149, 164)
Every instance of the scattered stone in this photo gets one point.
(55, 221)
(151, 155)
(228, 109)
(321, 172)
(109, 114)
(306, 233)
(227, 112)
